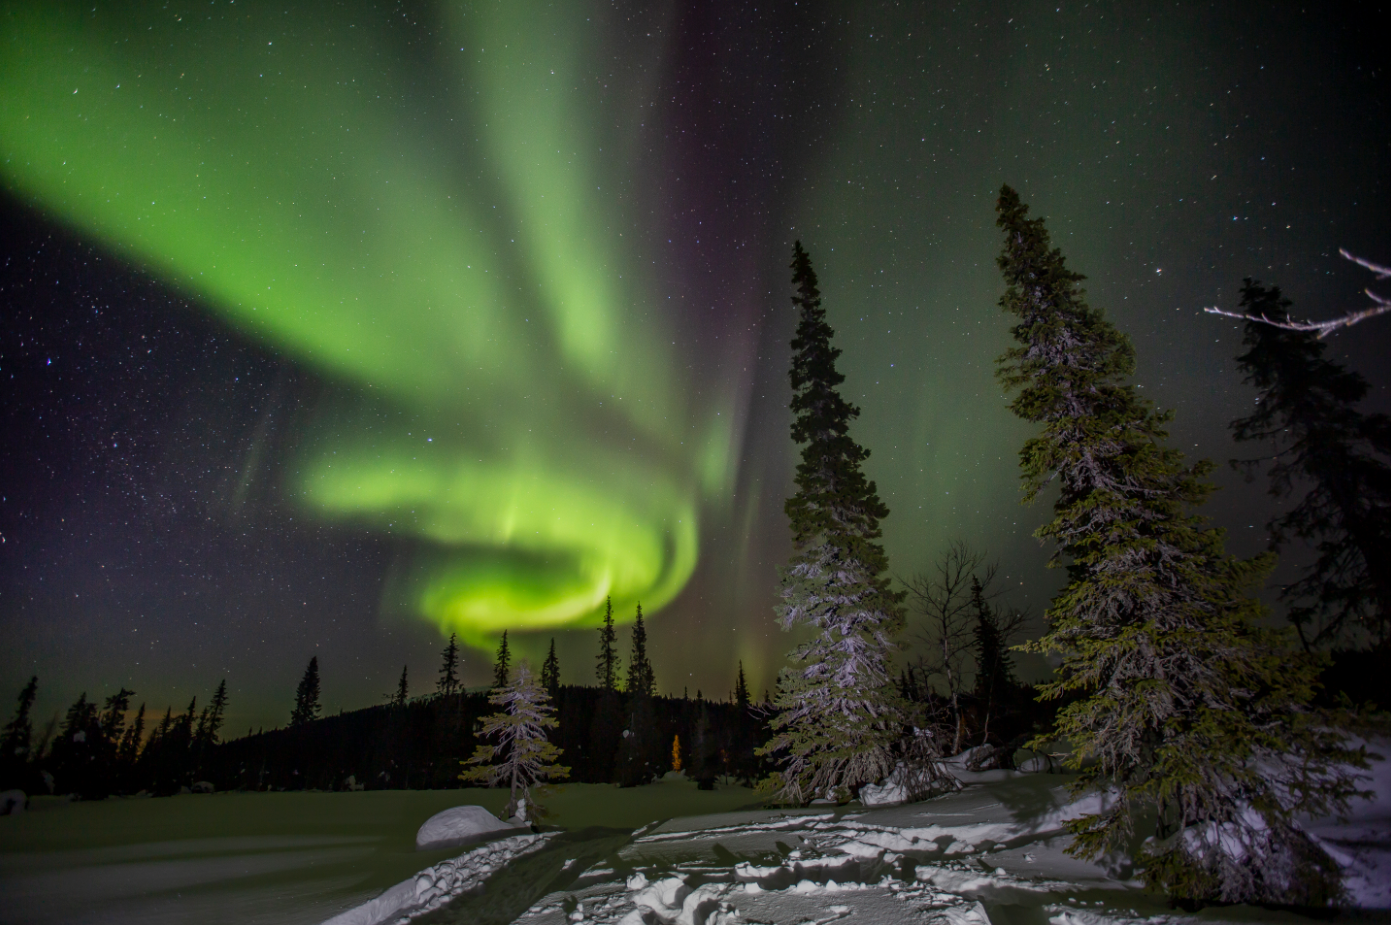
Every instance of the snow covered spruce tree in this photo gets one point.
(523, 757)
(1307, 412)
(839, 714)
(1189, 708)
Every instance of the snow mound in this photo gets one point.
(12, 801)
(458, 825)
(435, 886)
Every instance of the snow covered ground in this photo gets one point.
(988, 855)
(991, 854)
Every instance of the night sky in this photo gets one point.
(333, 330)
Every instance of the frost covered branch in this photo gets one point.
(1324, 328)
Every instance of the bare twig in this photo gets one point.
(1324, 328)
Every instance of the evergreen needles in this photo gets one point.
(525, 757)
(1187, 707)
(839, 714)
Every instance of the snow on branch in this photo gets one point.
(1324, 328)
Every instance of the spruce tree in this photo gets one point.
(14, 744)
(501, 667)
(550, 672)
(16, 740)
(448, 682)
(523, 754)
(839, 715)
(607, 668)
(741, 689)
(402, 691)
(641, 679)
(210, 723)
(129, 750)
(307, 696)
(1188, 709)
(1306, 412)
(994, 666)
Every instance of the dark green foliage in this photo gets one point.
(307, 696)
(994, 666)
(213, 716)
(641, 679)
(839, 715)
(17, 737)
(1187, 706)
(129, 750)
(502, 665)
(448, 682)
(606, 724)
(741, 689)
(1307, 414)
(704, 765)
(607, 668)
(640, 754)
(550, 671)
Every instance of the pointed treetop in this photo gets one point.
(501, 667)
(606, 669)
(641, 679)
(449, 669)
(550, 671)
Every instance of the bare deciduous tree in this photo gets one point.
(1324, 328)
(942, 596)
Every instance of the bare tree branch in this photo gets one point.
(1324, 328)
(943, 598)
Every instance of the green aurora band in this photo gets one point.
(438, 237)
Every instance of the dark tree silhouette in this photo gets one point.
(741, 689)
(550, 672)
(449, 671)
(307, 696)
(502, 666)
(641, 679)
(607, 668)
(1307, 414)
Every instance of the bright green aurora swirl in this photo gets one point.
(436, 227)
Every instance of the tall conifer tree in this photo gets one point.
(606, 669)
(1307, 413)
(550, 672)
(641, 679)
(448, 682)
(1188, 707)
(502, 666)
(307, 696)
(839, 714)
(402, 690)
(741, 689)
(18, 731)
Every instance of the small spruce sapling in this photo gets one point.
(523, 756)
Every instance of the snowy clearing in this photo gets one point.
(669, 855)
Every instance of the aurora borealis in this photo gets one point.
(479, 310)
